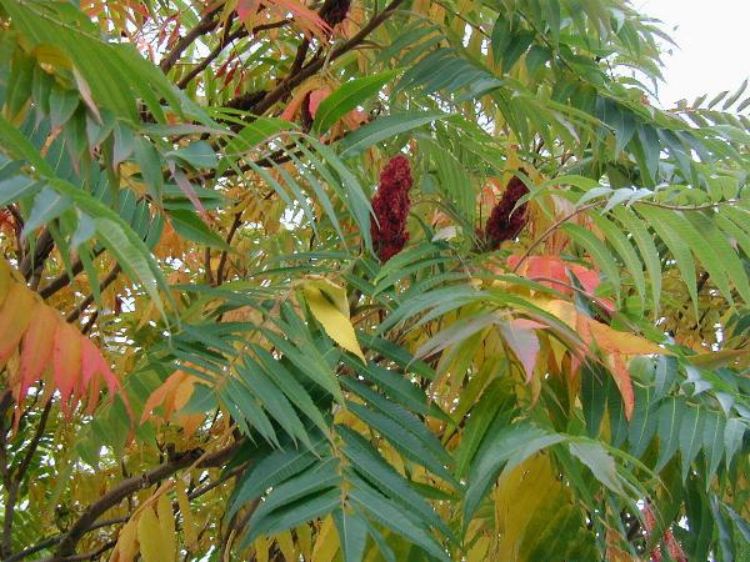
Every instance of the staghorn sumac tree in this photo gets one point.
(416, 280)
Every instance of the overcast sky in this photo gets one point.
(714, 46)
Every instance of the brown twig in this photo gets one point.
(110, 499)
(552, 228)
(206, 24)
(225, 253)
(106, 282)
(63, 280)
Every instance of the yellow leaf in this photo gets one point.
(329, 306)
(5, 279)
(716, 359)
(286, 545)
(261, 549)
(621, 342)
(126, 547)
(304, 540)
(189, 529)
(166, 525)
(150, 538)
(334, 293)
(327, 543)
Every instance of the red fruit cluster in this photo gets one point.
(334, 12)
(391, 207)
(505, 223)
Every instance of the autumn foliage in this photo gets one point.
(344, 281)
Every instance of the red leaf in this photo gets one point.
(36, 347)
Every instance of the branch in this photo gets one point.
(557, 224)
(33, 262)
(200, 67)
(12, 479)
(223, 259)
(237, 34)
(288, 84)
(66, 547)
(63, 280)
(206, 24)
(106, 282)
(92, 555)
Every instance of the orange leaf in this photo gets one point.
(163, 394)
(624, 382)
(36, 347)
(14, 319)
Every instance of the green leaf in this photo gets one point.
(670, 229)
(508, 447)
(669, 415)
(352, 529)
(598, 252)
(391, 516)
(370, 464)
(385, 128)
(314, 480)
(347, 97)
(270, 471)
(190, 226)
(48, 205)
(198, 154)
(307, 509)
(645, 244)
(625, 250)
(601, 464)
(18, 146)
(690, 437)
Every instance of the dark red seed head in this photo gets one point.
(333, 12)
(391, 206)
(504, 223)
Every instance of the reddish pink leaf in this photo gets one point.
(304, 16)
(92, 364)
(66, 362)
(246, 9)
(36, 347)
(316, 97)
(588, 277)
(187, 188)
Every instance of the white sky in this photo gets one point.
(714, 46)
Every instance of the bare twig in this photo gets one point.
(106, 282)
